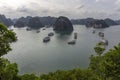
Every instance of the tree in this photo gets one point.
(99, 49)
(6, 37)
(106, 66)
(7, 70)
(29, 77)
(111, 63)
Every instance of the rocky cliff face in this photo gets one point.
(48, 21)
(22, 22)
(118, 22)
(19, 24)
(82, 21)
(89, 21)
(63, 24)
(110, 22)
(97, 24)
(35, 23)
(6, 21)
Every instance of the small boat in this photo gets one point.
(75, 35)
(51, 34)
(37, 31)
(28, 29)
(43, 29)
(46, 39)
(93, 32)
(101, 34)
(103, 42)
(72, 42)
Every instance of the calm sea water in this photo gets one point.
(34, 56)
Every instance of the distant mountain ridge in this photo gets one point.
(50, 21)
(6, 21)
(25, 21)
(117, 21)
(97, 24)
(108, 21)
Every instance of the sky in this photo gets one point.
(73, 9)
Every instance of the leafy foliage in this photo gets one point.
(75, 74)
(107, 66)
(99, 50)
(6, 37)
(7, 70)
(29, 77)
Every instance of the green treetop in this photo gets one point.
(6, 37)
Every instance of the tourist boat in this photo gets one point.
(28, 29)
(51, 34)
(93, 32)
(43, 29)
(46, 39)
(72, 42)
(75, 35)
(37, 31)
(101, 34)
(103, 42)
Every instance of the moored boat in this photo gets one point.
(37, 31)
(46, 39)
(28, 29)
(101, 34)
(103, 42)
(75, 35)
(72, 42)
(93, 31)
(51, 34)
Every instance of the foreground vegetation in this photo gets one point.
(103, 66)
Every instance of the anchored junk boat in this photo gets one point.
(46, 39)
(51, 34)
(75, 35)
(101, 34)
(72, 42)
(37, 31)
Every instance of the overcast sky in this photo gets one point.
(70, 8)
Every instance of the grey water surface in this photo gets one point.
(34, 56)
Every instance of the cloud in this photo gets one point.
(80, 6)
(117, 2)
(102, 0)
(69, 8)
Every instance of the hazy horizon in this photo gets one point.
(77, 9)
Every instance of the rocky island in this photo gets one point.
(35, 23)
(63, 24)
(97, 24)
(6, 21)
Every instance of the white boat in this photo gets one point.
(103, 42)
